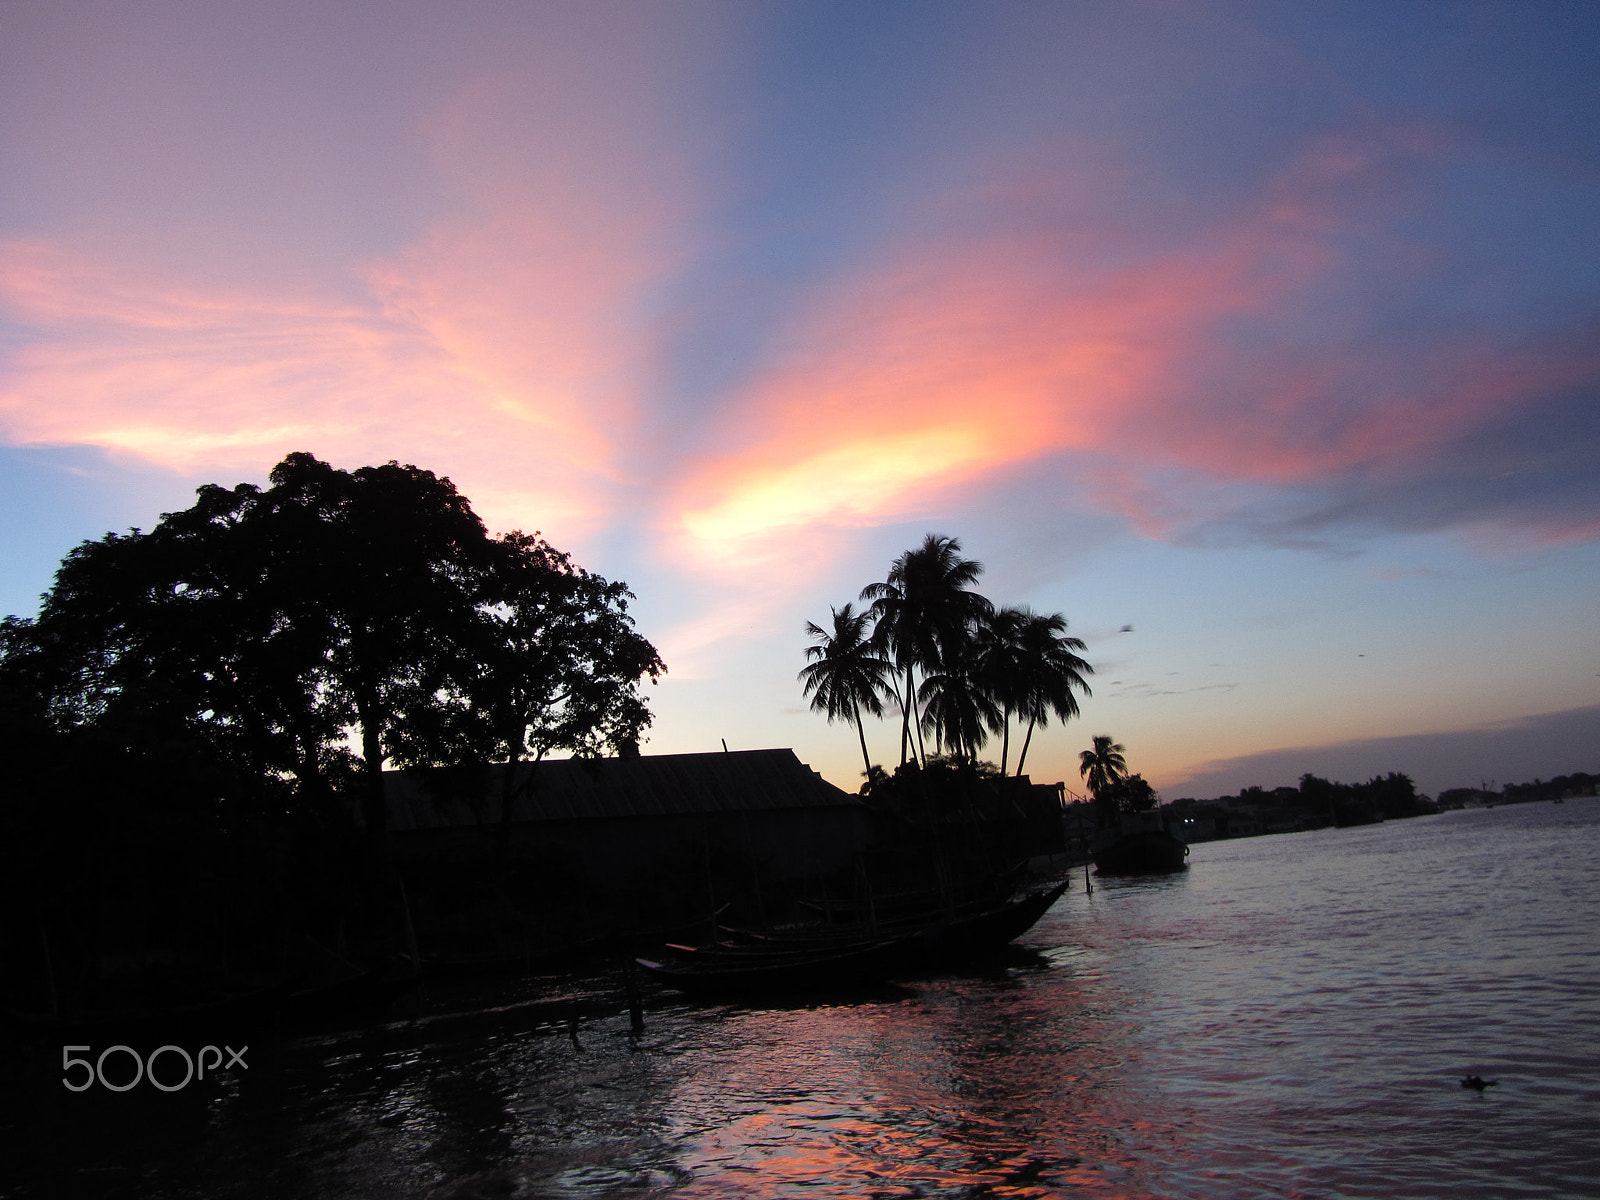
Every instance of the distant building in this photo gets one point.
(1193, 829)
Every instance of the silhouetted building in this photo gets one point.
(618, 816)
(598, 847)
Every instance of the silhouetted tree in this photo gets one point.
(846, 673)
(261, 626)
(172, 634)
(382, 566)
(1103, 763)
(1103, 766)
(1047, 672)
(922, 611)
(1132, 793)
(557, 667)
(996, 640)
(958, 707)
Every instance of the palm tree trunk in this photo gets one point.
(1005, 744)
(1023, 757)
(856, 709)
(916, 723)
(907, 702)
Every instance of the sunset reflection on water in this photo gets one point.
(988, 1086)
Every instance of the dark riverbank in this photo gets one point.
(1291, 1016)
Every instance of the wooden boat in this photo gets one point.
(963, 936)
(773, 964)
(800, 971)
(1147, 852)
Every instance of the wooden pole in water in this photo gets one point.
(635, 1004)
(711, 891)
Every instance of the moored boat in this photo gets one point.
(773, 964)
(1145, 852)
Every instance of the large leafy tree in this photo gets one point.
(263, 627)
(558, 664)
(147, 638)
(382, 564)
(923, 614)
(846, 674)
(1134, 794)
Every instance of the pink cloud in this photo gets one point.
(508, 339)
(203, 380)
(510, 345)
(1219, 362)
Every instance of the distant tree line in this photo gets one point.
(952, 666)
(1319, 802)
(1381, 798)
(1561, 787)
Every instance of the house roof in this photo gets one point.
(656, 785)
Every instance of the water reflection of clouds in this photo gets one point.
(976, 1086)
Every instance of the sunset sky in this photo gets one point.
(1269, 329)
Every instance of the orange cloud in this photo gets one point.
(943, 372)
(966, 356)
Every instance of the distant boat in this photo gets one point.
(1146, 852)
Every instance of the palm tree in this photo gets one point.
(846, 673)
(923, 612)
(1048, 671)
(957, 708)
(997, 646)
(1103, 766)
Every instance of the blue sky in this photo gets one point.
(1271, 330)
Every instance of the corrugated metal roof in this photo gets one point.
(653, 785)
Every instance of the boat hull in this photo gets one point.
(1148, 852)
(772, 966)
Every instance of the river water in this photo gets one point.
(1289, 1018)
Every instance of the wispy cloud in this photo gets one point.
(1182, 383)
(510, 344)
(198, 380)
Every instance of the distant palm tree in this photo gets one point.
(846, 674)
(1047, 672)
(1103, 766)
(923, 613)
